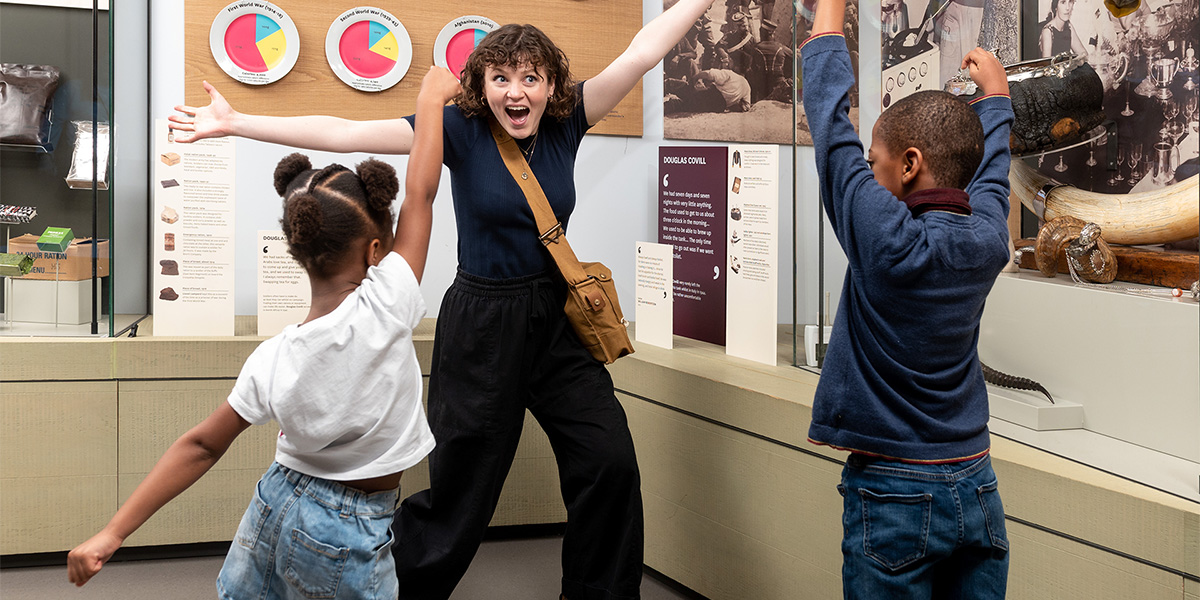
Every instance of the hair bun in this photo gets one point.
(287, 170)
(380, 183)
(303, 220)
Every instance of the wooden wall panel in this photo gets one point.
(591, 32)
(1048, 566)
(58, 457)
(733, 516)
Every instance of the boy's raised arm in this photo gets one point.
(830, 16)
(424, 169)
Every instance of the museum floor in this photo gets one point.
(512, 569)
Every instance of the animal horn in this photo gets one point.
(1169, 214)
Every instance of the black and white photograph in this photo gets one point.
(924, 41)
(731, 77)
(1147, 62)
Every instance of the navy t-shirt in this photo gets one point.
(497, 235)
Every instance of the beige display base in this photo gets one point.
(84, 420)
(591, 33)
(739, 505)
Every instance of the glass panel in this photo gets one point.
(58, 107)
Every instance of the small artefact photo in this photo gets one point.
(169, 183)
(169, 267)
(170, 158)
(737, 185)
(735, 213)
(169, 215)
(735, 238)
(735, 263)
(168, 294)
(169, 242)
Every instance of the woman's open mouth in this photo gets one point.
(517, 114)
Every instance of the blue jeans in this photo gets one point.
(305, 537)
(922, 531)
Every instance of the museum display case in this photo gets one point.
(1101, 313)
(62, 213)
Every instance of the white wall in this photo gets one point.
(616, 179)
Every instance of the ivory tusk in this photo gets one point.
(1170, 214)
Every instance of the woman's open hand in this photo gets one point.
(214, 120)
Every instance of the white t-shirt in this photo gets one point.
(345, 388)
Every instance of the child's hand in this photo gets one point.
(214, 120)
(87, 558)
(986, 71)
(440, 83)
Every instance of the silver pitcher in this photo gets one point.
(1165, 161)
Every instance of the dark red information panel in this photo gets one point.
(691, 217)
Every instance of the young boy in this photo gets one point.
(922, 222)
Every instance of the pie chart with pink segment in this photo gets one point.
(254, 42)
(458, 39)
(368, 49)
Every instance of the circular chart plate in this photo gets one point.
(368, 49)
(457, 39)
(254, 42)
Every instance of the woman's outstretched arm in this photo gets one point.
(316, 132)
(648, 47)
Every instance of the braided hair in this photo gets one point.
(325, 211)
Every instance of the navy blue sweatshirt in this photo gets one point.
(901, 378)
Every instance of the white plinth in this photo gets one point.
(1131, 362)
(48, 301)
(1032, 410)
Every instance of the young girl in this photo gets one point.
(344, 387)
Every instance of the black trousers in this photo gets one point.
(504, 346)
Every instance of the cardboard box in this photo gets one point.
(73, 265)
(169, 158)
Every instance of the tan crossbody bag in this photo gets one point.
(592, 306)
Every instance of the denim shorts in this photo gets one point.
(922, 531)
(306, 537)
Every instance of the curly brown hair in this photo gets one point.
(514, 45)
(326, 211)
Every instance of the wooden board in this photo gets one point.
(591, 33)
(1166, 268)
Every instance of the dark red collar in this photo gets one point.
(945, 199)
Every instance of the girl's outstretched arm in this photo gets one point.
(648, 47)
(332, 134)
(190, 457)
(424, 169)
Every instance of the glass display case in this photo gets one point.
(1119, 359)
(62, 213)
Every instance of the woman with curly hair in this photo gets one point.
(503, 343)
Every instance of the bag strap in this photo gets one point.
(550, 228)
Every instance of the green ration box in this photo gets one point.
(55, 239)
(15, 265)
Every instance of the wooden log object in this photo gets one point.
(1166, 268)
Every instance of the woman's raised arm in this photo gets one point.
(648, 47)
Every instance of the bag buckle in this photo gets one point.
(551, 236)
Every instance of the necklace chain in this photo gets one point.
(532, 148)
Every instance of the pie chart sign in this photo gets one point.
(458, 39)
(368, 49)
(254, 42)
